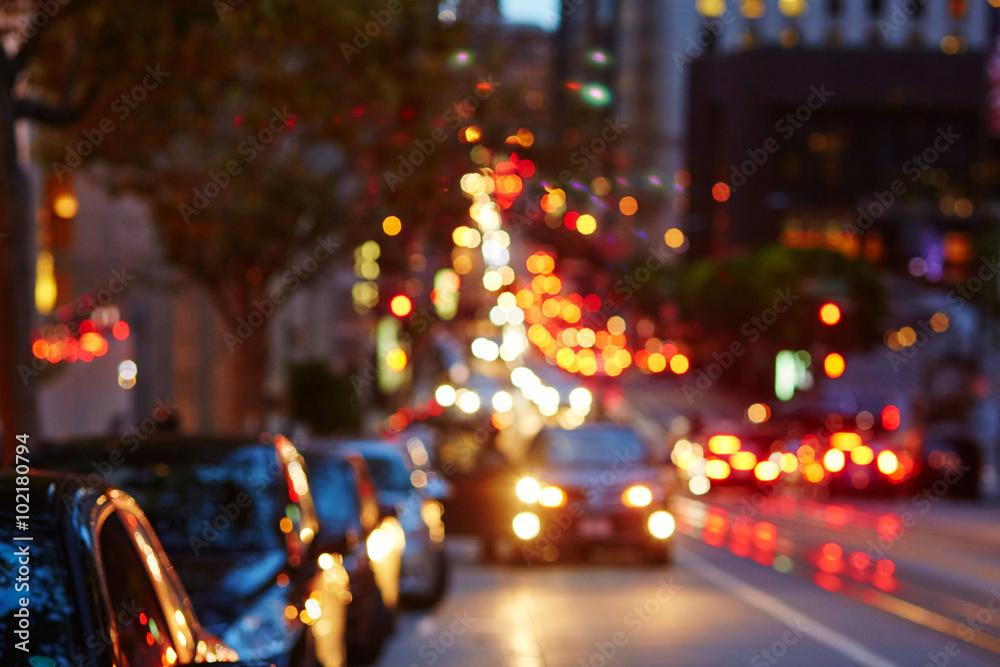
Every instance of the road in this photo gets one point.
(757, 590)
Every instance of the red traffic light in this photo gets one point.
(401, 306)
(829, 314)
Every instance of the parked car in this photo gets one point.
(590, 486)
(84, 581)
(238, 522)
(371, 544)
(402, 491)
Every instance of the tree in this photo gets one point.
(256, 132)
(728, 300)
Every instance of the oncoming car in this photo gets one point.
(591, 486)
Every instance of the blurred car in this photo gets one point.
(93, 585)
(370, 543)
(238, 522)
(746, 459)
(856, 461)
(590, 486)
(402, 491)
(951, 461)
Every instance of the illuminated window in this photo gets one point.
(711, 7)
(792, 7)
(789, 37)
(752, 9)
(956, 8)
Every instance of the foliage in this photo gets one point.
(324, 400)
(724, 295)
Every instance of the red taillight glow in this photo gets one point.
(834, 460)
(887, 463)
(724, 444)
(766, 471)
(716, 469)
(845, 440)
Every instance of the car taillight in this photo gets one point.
(716, 469)
(845, 440)
(862, 455)
(887, 463)
(724, 444)
(834, 460)
(766, 471)
(743, 461)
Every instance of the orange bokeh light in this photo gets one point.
(834, 365)
(829, 314)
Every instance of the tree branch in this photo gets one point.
(63, 114)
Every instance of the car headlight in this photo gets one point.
(661, 525)
(528, 490)
(551, 496)
(526, 525)
(637, 496)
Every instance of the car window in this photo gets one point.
(389, 473)
(583, 447)
(334, 493)
(232, 505)
(143, 634)
(54, 629)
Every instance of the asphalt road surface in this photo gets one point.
(789, 582)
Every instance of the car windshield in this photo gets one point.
(389, 473)
(45, 582)
(231, 505)
(333, 487)
(590, 447)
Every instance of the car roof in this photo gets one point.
(169, 448)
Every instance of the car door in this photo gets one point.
(148, 630)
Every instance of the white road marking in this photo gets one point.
(780, 611)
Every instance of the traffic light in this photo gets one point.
(52, 280)
(829, 314)
(834, 365)
(401, 306)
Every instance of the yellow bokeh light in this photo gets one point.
(679, 364)
(392, 225)
(674, 238)
(65, 205)
(586, 224)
